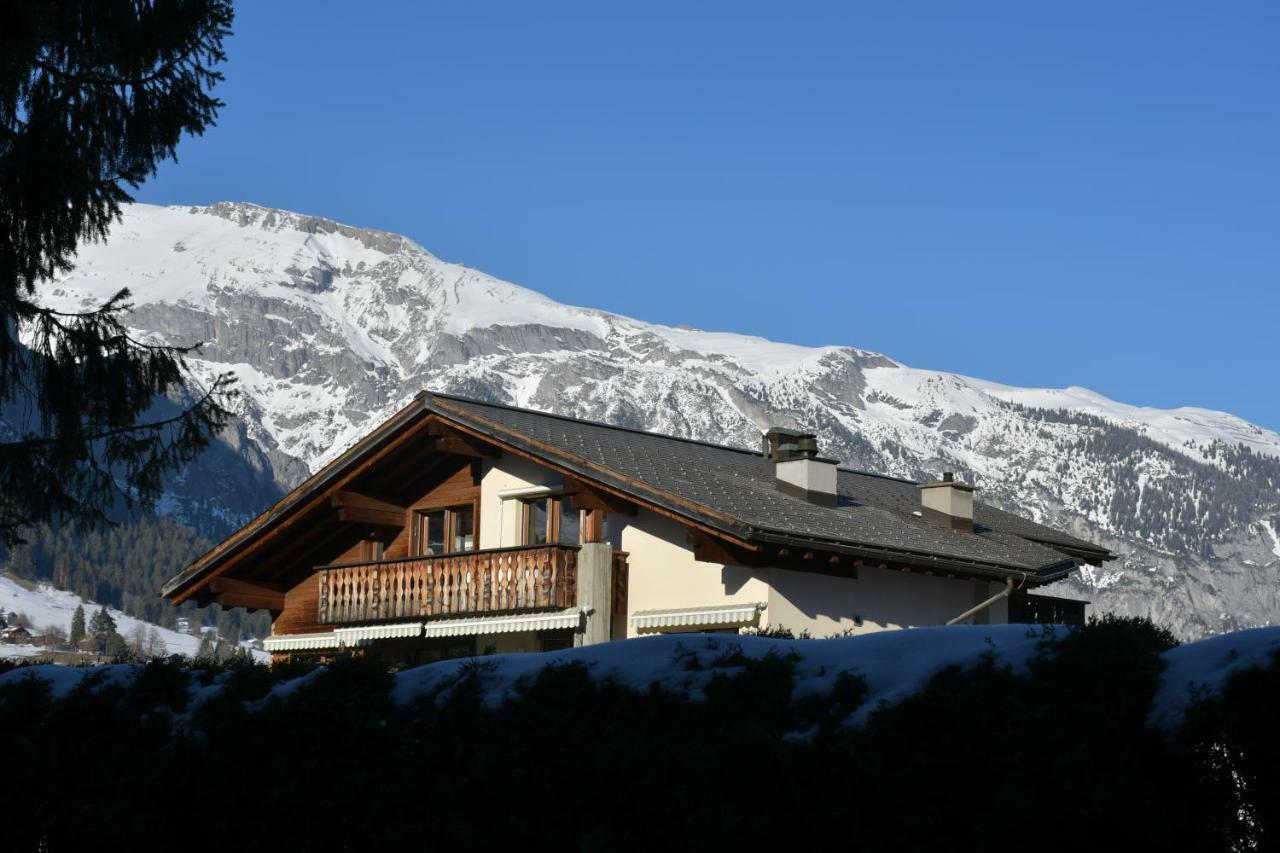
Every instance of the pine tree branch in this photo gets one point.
(28, 310)
(193, 48)
(220, 385)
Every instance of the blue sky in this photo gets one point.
(1039, 194)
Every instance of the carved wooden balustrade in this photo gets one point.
(494, 581)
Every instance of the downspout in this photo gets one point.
(978, 608)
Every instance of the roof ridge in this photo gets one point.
(507, 406)
(604, 424)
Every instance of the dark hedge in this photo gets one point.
(982, 759)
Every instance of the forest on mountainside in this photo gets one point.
(124, 566)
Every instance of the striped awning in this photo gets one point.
(365, 633)
(472, 625)
(464, 627)
(688, 617)
(301, 642)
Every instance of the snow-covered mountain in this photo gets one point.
(330, 328)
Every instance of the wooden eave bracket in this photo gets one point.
(446, 439)
(252, 595)
(363, 509)
(583, 495)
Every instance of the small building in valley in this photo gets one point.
(15, 634)
(460, 526)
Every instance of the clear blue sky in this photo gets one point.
(1040, 194)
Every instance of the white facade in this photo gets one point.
(670, 590)
(664, 575)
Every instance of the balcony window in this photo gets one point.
(464, 528)
(537, 518)
(551, 520)
(570, 525)
(445, 530)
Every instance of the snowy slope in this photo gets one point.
(330, 328)
(50, 607)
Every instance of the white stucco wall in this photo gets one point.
(499, 519)
(877, 598)
(665, 575)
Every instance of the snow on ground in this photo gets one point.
(47, 607)
(894, 665)
(50, 607)
(1205, 667)
(1270, 529)
(63, 679)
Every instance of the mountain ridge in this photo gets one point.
(331, 327)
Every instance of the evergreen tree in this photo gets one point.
(77, 627)
(206, 651)
(117, 648)
(101, 628)
(93, 95)
(155, 645)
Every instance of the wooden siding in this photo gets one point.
(300, 608)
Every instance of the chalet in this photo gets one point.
(459, 526)
(15, 634)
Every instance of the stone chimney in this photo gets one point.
(798, 469)
(948, 502)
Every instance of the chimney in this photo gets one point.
(948, 502)
(798, 469)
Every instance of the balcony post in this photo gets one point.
(595, 576)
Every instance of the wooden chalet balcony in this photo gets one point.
(533, 577)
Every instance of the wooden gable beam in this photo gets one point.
(585, 496)
(363, 509)
(259, 540)
(332, 540)
(446, 439)
(251, 595)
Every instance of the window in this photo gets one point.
(464, 528)
(551, 520)
(537, 521)
(443, 531)
(570, 525)
(555, 643)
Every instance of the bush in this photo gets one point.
(982, 758)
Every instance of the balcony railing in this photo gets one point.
(1036, 609)
(500, 580)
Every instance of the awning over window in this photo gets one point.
(301, 642)
(685, 617)
(465, 627)
(364, 633)
(570, 618)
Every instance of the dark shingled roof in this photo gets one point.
(723, 489)
(734, 490)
